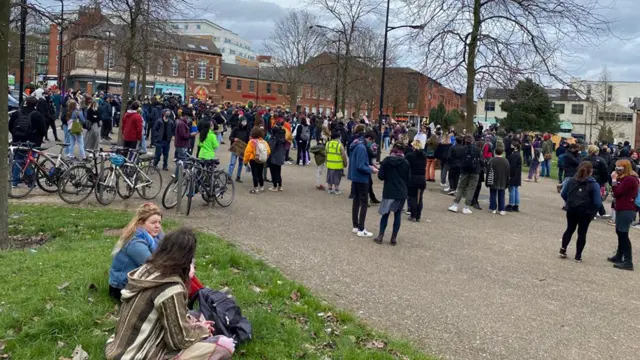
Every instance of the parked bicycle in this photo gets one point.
(30, 165)
(79, 181)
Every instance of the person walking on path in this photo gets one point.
(625, 191)
(417, 183)
(600, 174)
(431, 146)
(277, 157)
(547, 154)
(162, 132)
(255, 155)
(442, 154)
(456, 156)
(515, 178)
(582, 196)
(336, 162)
(319, 152)
(359, 173)
(396, 174)
(536, 160)
(93, 126)
(106, 118)
(468, 157)
(303, 135)
(132, 126)
(238, 133)
(497, 180)
(75, 120)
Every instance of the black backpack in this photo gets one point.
(579, 197)
(22, 126)
(470, 161)
(216, 306)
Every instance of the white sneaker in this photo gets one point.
(355, 230)
(446, 189)
(467, 211)
(443, 185)
(494, 212)
(503, 213)
(453, 208)
(364, 233)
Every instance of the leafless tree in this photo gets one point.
(5, 10)
(292, 44)
(348, 16)
(475, 43)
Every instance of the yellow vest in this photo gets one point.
(334, 155)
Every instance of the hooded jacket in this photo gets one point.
(417, 160)
(153, 320)
(359, 169)
(240, 132)
(132, 126)
(594, 189)
(600, 169)
(131, 256)
(183, 135)
(396, 173)
(571, 163)
(38, 125)
(277, 146)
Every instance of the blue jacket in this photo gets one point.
(359, 169)
(594, 188)
(158, 130)
(131, 256)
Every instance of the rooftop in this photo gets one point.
(554, 94)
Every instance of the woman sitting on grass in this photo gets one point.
(153, 323)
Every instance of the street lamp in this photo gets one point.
(60, 45)
(108, 32)
(387, 28)
(335, 102)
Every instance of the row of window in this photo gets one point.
(241, 54)
(185, 26)
(576, 109)
(252, 86)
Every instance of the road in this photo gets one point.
(477, 286)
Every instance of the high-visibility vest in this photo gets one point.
(334, 155)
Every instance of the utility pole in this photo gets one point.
(23, 45)
(384, 68)
(108, 58)
(61, 29)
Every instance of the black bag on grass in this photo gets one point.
(216, 306)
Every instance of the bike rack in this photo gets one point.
(180, 165)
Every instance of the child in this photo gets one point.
(320, 155)
(256, 154)
(336, 162)
(208, 143)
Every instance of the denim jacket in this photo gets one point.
(132, 256)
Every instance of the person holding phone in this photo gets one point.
(625, 190)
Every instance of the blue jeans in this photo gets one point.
(219, 136)
(77, 140)
(386, 143)
(67, 140)
(180, 154)
(496, 195)
(397, 218)
(20, 158)
(514, 195)
(235, 158)
(162, 148)
(546, 169)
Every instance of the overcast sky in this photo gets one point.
(253, 20)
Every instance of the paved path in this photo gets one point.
(463, 287)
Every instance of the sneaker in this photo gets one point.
(446, 189)
(238, 180)
(606, 216)
(337, 192)
(636, 226)
(443, 185)
(355, 230)
(451, 193)
(508, 208)
(578, 260)
(559, 188)
(280, 188)
(503, 213)
(262, 189)
(273, 189)
(320, 187)
(467, 211)
(364, 233)
(477, 206)
(453, 208)
(563, 253)
(331, 192)
(408, 212)
(494, 212)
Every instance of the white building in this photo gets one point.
(579, 115)
(231, 45)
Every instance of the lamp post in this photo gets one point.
(387, 28)
(60, 45)
(108, 58)
(335, 102)
(257, 87)
(23, 45)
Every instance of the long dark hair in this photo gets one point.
(206, 127)
(175, 254)
(584, 171)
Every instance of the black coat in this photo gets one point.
(240, 132)
(93, 116)
(456, 155)
(600, 169)
(418, 164)
(515, 169)
(395, 172)
(571, 163)
(38, 125)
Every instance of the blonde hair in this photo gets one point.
(143, 213)
(592, 149)
(417, 144)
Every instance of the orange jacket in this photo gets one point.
(250, 150)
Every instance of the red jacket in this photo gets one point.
(132, 126)
(625, 193)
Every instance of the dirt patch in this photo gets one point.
(112, 232)
(28, 241)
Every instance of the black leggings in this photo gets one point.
(303, 153)
(580, 221)
(276, 175)
(52, 123)
(624, 246)
(476, 194)
(372, 194)
(454, 176)
(256, 173)
(415, 201)
(359, 208)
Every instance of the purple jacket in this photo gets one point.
(183, 136)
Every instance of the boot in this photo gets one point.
(477, 206)
(508, 208)
(515, 208)
(394, 241)
(624, 266)
(378, 239)
(616, 258)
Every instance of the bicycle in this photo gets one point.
(32, 169)
(126, 176)
(79, 181)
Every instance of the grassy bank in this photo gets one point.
(54, 297)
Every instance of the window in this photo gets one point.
(609, 92)
(211, 73)
(186, 27)
(192, 71)
(232, 52)
(308, 93)
(204, 47)
(228, 84)
(622, 135)
(268, 88)
(191, 46)
(228, 41)
(222, 50)
(109, 59)
(588, 90)
(176, 26)
(577, 109)
(559, 108)
(315, 93)
(252, 86)
(198, 26)
(490, 106)
(280, 89)
(321, 95)
(608, 116)
(300, 93)
(175, 66)
(159, 68)
(238, 85)
(202, 69)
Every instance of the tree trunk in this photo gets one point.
(125, 85)
(4, 125)
(345, 78)
(471, 66)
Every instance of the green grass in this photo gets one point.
(40, 318)
(554, 168)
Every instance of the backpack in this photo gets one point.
(470, 161)
(579, 197)
(76, 125)
(22, 126)
(216, 306)
(306, 133)
(262, 154)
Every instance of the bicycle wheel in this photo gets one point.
(125, 190)
(224, 188)
(49, 174)
(76, 184)
(191, 193)
(106, 186)
(151, 190)
(170, 195)
(21, 182)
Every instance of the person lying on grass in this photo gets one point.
(153, 323)
(139, 239)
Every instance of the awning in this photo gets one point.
(566, 125)
(481, 119)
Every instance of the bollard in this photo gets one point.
(179, 187)
(102, 158)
